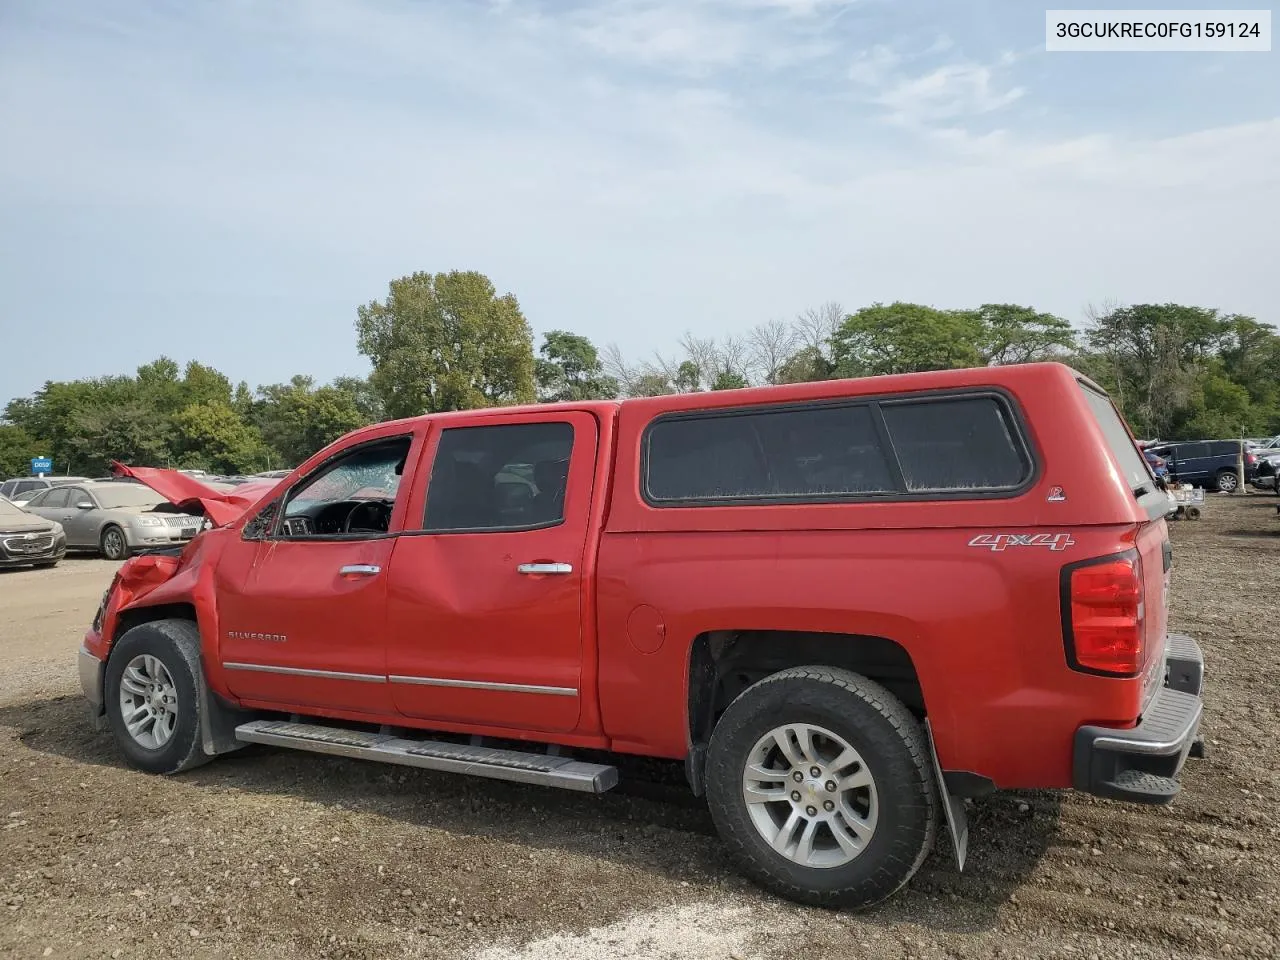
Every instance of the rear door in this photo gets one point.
(80, 522)
(484, 614)
(50, 504)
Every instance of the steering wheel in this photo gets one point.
(381, 512)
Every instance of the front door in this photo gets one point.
(485, 605)
(302, 606)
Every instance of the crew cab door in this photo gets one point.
(484, 611)
(302, 595)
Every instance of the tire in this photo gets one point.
(892, 748)
(175, 646)
(112, 543)
(1227, 482)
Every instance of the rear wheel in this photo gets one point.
(1227, 481)
(113, 544)
(819, 781)
(152, 696)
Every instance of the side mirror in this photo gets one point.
(84, 506)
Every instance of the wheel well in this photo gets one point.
(162, 611)
(723, 663)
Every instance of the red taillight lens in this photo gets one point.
(1250, 458)
(1103, 614)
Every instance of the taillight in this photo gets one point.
(1102, 615)
(1250, 458)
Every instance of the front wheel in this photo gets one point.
(113, 544)
(152, 696)
(819, 781)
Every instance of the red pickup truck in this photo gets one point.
(845, 606)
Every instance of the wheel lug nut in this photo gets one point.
(831, 786)
(815, 772)
(797, 776)
(828, 806)
(795, 795)
(811, 811)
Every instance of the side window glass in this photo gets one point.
(811, 454)
(77, 497)
(55, 499)
(956, 445)
(501, 477)
(353, 494)
(36, 501)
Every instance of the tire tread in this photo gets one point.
(884, 883)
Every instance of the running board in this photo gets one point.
(537, 768)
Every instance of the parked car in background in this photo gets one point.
(29, 540)
(21, 489)
(1265, 478)
(114, 519)
(1206, 463)
(1158, 465)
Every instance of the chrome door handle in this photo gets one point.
(360, 570)
(545, 568)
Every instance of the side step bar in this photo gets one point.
(537, 768)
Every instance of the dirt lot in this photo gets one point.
(288, 855)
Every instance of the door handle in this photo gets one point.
(360, 570)
(545, 568)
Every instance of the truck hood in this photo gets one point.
(190, 495)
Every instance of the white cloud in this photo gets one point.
(352, 141)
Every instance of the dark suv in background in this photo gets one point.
(1206, 463)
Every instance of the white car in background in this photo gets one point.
(114, 518)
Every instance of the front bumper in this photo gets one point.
(91, 682)
(1141, 764)
(14, 553)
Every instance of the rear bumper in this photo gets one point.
(1142, 763)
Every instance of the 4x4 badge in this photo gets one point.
(999, 541)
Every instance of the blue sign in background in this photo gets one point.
(41, 465)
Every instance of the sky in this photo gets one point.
(228, 181)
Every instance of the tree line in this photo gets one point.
(449, 341)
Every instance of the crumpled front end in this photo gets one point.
(189, 494)
(136, 578)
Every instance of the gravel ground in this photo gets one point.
(290, 855)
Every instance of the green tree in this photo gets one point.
(212, 436)
(297, 418)
(1014, 334)
(1152, 358)
(569, 368)
(363, 396)
(650, 383)
(17, 448)
(115, 431)
(729, 380)
(446, 341)
(805, 366)
(904, 338)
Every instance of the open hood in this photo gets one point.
(189, 494)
